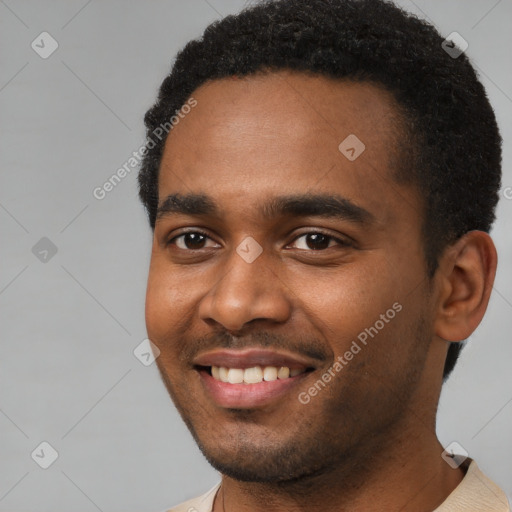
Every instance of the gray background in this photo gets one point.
(69, 325)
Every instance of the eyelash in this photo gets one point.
(340, 242)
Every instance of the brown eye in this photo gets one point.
(318, 241)
(192, 240)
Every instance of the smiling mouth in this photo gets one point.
(252, 377)
(254, 374)
(254, 387)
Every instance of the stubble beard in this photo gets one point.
(343, 436)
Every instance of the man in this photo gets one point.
(321, 177)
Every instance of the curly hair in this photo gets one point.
(452, 149)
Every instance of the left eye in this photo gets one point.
(316, 241)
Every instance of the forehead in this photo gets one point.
(265, 133)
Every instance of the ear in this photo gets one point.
(466, 274)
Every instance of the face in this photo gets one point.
(287, 286)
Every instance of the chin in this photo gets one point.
(248, 461)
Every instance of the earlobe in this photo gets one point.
(466, 275)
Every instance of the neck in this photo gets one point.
(401, 470)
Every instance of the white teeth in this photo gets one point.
(270, 373)
(283, 372)
(253, 375)
(223, 374)
(235, 376)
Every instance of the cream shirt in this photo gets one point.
(475, 493)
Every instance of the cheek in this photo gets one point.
(345, 302)
(160, 303)
(163, 318)
(170, 299)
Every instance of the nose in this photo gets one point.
(246, 292)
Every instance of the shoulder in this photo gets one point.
(476, 493)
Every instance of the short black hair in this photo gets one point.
(452, 149)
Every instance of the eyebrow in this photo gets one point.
(298, 205)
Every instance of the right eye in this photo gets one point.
(190, 240)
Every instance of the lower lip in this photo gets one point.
(248, 396)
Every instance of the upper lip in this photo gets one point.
(249, 357)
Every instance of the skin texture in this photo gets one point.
(369, 436)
